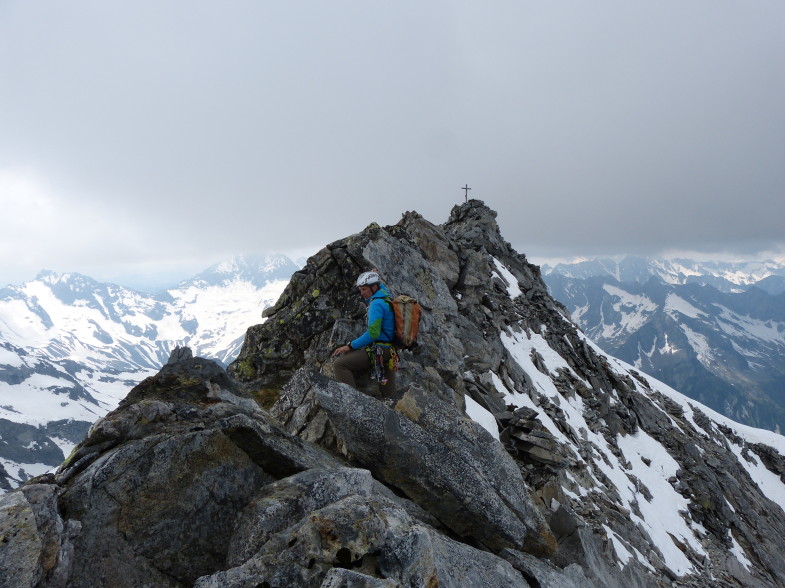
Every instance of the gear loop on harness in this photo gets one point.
(376, 355)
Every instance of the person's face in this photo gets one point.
(365, 291)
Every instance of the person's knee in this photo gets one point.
(341, 372)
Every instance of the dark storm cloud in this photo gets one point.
(167, 132)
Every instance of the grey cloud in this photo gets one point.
(211, 129)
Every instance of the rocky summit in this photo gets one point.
(514, 452)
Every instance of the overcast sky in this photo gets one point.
(157, 137)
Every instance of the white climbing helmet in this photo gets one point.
(368, 279)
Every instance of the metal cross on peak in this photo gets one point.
(466, 189)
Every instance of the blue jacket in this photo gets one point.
(381, 320)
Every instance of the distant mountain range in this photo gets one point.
(72, 347)
(715, 331)
(725, 276)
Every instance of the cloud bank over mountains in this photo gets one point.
(591, 129)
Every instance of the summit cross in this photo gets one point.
(466, 189)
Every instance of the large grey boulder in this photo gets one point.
(431, 452)
(36, 544)
(23, 545)
(287, 501)
(373, 537)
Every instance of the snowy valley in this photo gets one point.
(71, 348)
(714, 331)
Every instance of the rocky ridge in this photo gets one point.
(583, 473)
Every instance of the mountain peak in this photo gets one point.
(255, 269)
(476, 224)
(513, 453)
(50, 277)
(491, 349)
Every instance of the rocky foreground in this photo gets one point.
(514, 453)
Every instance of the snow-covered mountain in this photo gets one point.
(72, 347)
(724, 348)
(725, 276)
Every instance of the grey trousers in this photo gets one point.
(357, 360)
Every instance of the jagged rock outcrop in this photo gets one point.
(427, 450)
(513, 454)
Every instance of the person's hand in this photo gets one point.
(341, 350)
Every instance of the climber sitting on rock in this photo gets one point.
(373, 350)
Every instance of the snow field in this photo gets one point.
(508, 278)
(659, 517)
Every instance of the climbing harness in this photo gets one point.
(376, 355)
